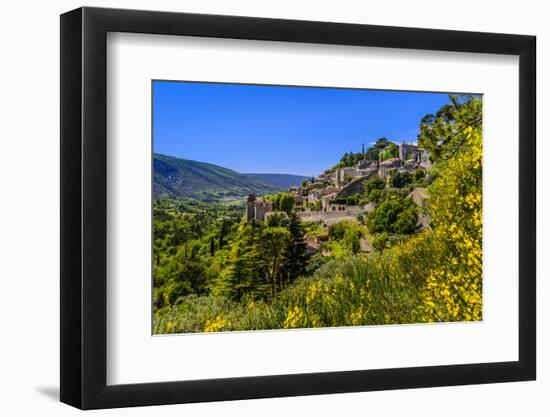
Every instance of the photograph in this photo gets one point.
(288, 207)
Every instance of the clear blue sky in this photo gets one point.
(272, 129)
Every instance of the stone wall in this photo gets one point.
(332, 217)
(262, 210)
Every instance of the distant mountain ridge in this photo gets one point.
(283, 180)
(184, 178)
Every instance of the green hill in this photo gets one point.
(282, 180)
(184, 178)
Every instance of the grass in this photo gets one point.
(382, 288)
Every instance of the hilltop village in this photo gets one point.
(332, 196)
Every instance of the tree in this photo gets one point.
(246, 270)
(275, 219)
(352, 240)
(419, 175)
(401, 179)
(275, 241)
(296, 258)
(337, 231)
(373, 152)
(224, 229)
(443, 133)
(350, 159)
(373, 188)
(406, 221)
(181, 274)
(453, 291)
(375, 196)
(391, 151)
(396, 214)
(284, 202)
(212, 247)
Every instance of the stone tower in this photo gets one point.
(250, 207)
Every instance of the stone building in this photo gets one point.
(257, 208)
(366, 164)
(338, 207)
(410, 165)
(326, 199)
(354, 187)
(387, 167)
(420, 156)
(317, 194)
(342, 173)
(408, 151)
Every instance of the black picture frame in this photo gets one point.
(84, 207)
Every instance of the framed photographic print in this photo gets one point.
(258, 207)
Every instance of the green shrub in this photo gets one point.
(380, 241)
(396, 214)
(401, 179)
(419, 175)
(382, 288)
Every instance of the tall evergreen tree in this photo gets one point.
(275, 241)
(246, 273)
(212, 247)
(296, 258)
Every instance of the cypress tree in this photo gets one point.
(296, 253)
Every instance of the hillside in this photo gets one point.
(184, 178)
(283, 180)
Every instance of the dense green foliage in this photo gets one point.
(443, 133)
(401, 179)
(345, 239)
(374, 188)
(206, 249)
(383, 288)
(419, 175)
(373, 152)
(283, 202)
(380, 241)
(391, 151)
(349, 159)
(185, 234)
(396, 214)
(263, 261)
(382, 149)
